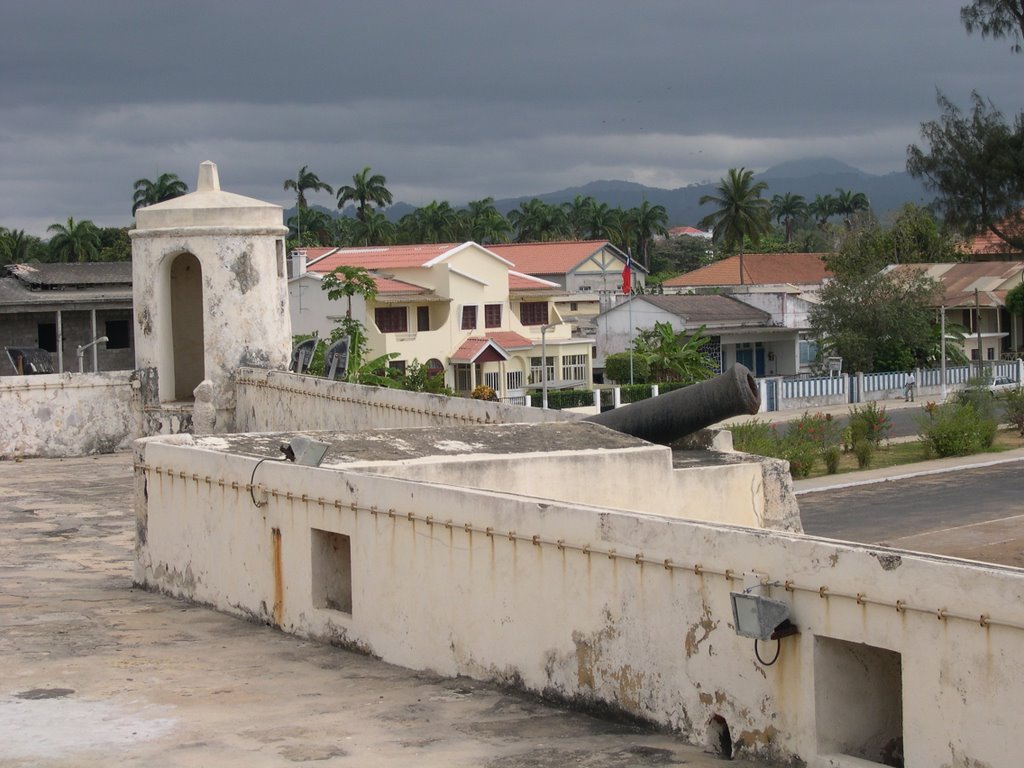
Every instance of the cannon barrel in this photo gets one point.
(681, 412)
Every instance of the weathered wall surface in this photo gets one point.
(602, 606)
(67, 414)
(270, 401)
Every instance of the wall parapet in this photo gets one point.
(601, 605)
(68, 414)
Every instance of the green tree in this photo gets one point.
(1015, 299)
(675, 357)
(366, 188)
(578, 214)
(822, 208)
(74, 241)
(878, 321)
(649, 220)
(742, 213)
(848, 203)
(537, 221)
(344, 282)
(16, 247)
(975, 163)
(996, 19)
(483, 223)
(115, 245)
(310, 228)
(787, 210)
(375, 229)
(306, 179)
(675, 255)
(602, 221)
(166, 187)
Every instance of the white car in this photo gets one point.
(1000, 384)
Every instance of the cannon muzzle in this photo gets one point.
(675, 414)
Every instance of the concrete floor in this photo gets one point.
(97, 673)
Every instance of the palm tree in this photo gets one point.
(375, 229)
(534, 220)
(74, 241)
(650, 220)
(311, 227)
(822, 209)
(848, 203)
(166, 187)
(366, 188)
(602, 221)
(787, 209)
(483, 223)
(742, 212)
(306, 179)
(578, 213)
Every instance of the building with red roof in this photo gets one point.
(458, 308)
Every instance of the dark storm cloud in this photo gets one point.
(456, 99)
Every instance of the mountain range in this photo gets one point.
(809, 177)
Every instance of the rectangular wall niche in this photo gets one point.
(331, 571)
(858, 695)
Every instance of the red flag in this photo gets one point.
(627, 275)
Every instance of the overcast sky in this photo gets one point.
(460, 99)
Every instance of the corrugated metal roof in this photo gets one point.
(61, 275)
(711, 310)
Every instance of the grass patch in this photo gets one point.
(897, 454)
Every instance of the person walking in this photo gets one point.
(908, 387)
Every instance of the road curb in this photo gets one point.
(905, 475)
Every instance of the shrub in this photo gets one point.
(757, 437)
(869, 422)
(831, 456)
(864, 450)
(958, 429)
(483, 392)
(820, 429)
(1015, 408)
(568, 398)
(800, 451)
(616, 368)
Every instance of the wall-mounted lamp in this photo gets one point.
(305, 451)
(299, 450)
(761, 618)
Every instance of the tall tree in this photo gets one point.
(578, 214)
(366, 188)
(787, 210)
(602, 221)
(16, 246)
(848, 203)
(742, 212)
(997, 19)
(310, 228)
(536, 221)
(483, 223)
(306, 179)
(975, 163)
(650, 220)
(822, 208)
(74, 241)
(435, 222)
(166, 187)
(375, 229)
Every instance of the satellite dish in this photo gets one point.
(29, 361)
(336, 359)
(302, 355)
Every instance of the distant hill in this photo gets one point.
(810, 177)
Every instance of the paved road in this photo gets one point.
(973, 513)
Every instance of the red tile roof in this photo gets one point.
(758, 269)
(550, 258)
(987, 243)
(518, 283)
(499, 341)
(381, 257)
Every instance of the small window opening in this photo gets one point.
(331, 571)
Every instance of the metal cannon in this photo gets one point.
(675, 414)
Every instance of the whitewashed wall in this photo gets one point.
(67, 414)
(601, 606)
(270, 401)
